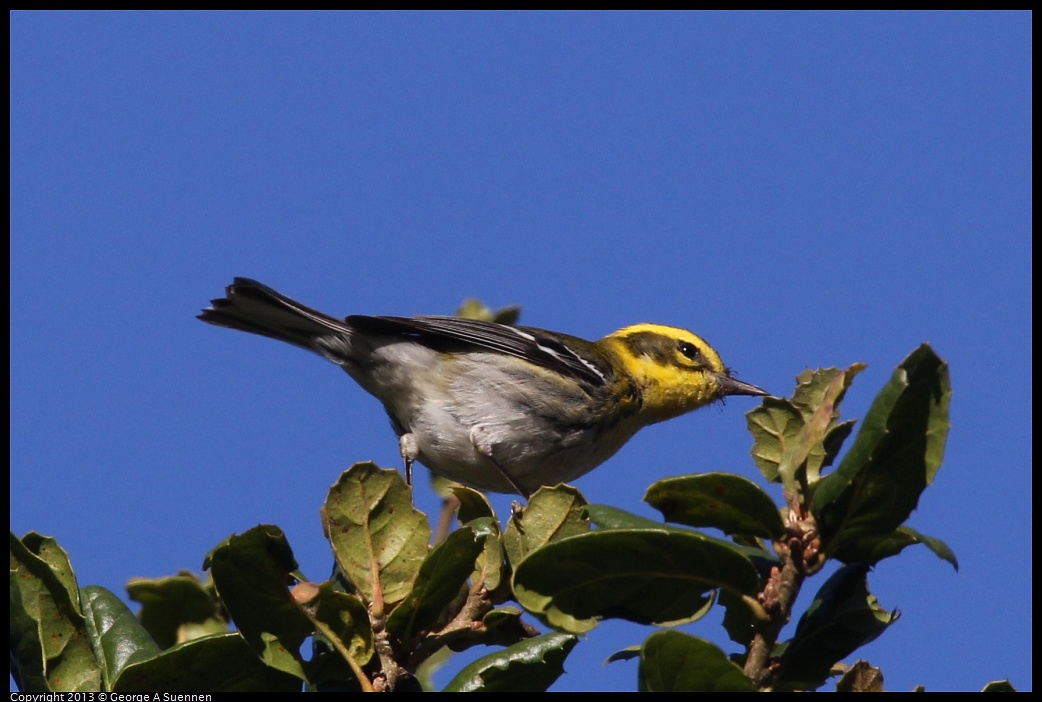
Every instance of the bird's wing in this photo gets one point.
(537, 346)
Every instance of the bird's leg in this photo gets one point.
(481, 442)
(410, 450)
(521, 489)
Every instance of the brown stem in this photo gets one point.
(341, 648)
(468, 620)
(448, 511)
(780, 592)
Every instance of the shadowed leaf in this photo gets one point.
(875, 549)
(527, 666)
(441, 580)
(724, 501)
(649, 576)
(671, 661)
(218, 663)
(177, 609)
(346, 618)
(894, 457)
(251, 572)
(861, 677)
(843, 617)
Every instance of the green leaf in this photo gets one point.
(814, 388)
(527, 666)
(50, 646)
(843, 617)
(895, 456)
(440, 583)
(775, 424)
(724, 501)
(794, 440)
(475, 309)
(553, 513)
(507, 315)
(251, 572)
(177, 608)
(739, 621)
(476, 512)
(117, 637)
(624, 654)
(218, 663)
(833, 441)
(346, 618)
(671, 661)
(472, 504)
(649, 576)
(822, 436)
(606, 517)
(47, 550)
(861, 677)
(999, 686)
(876, 549)
(805, 454)
(380, 540)
(28, 662)
(502, 626)
(488, 571)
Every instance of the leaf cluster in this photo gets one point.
(397, 603)
(393, 603)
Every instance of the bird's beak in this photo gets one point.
(730, 386)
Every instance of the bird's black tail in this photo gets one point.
(253, 307)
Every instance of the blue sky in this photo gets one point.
(802, 190)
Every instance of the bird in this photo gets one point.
(499, 408)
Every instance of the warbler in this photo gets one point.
(496, 407)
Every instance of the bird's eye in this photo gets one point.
(689, 350)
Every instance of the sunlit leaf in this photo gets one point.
(50, 646)
(551, 514)
(117, 637)
(775, 424)
(380, 540)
